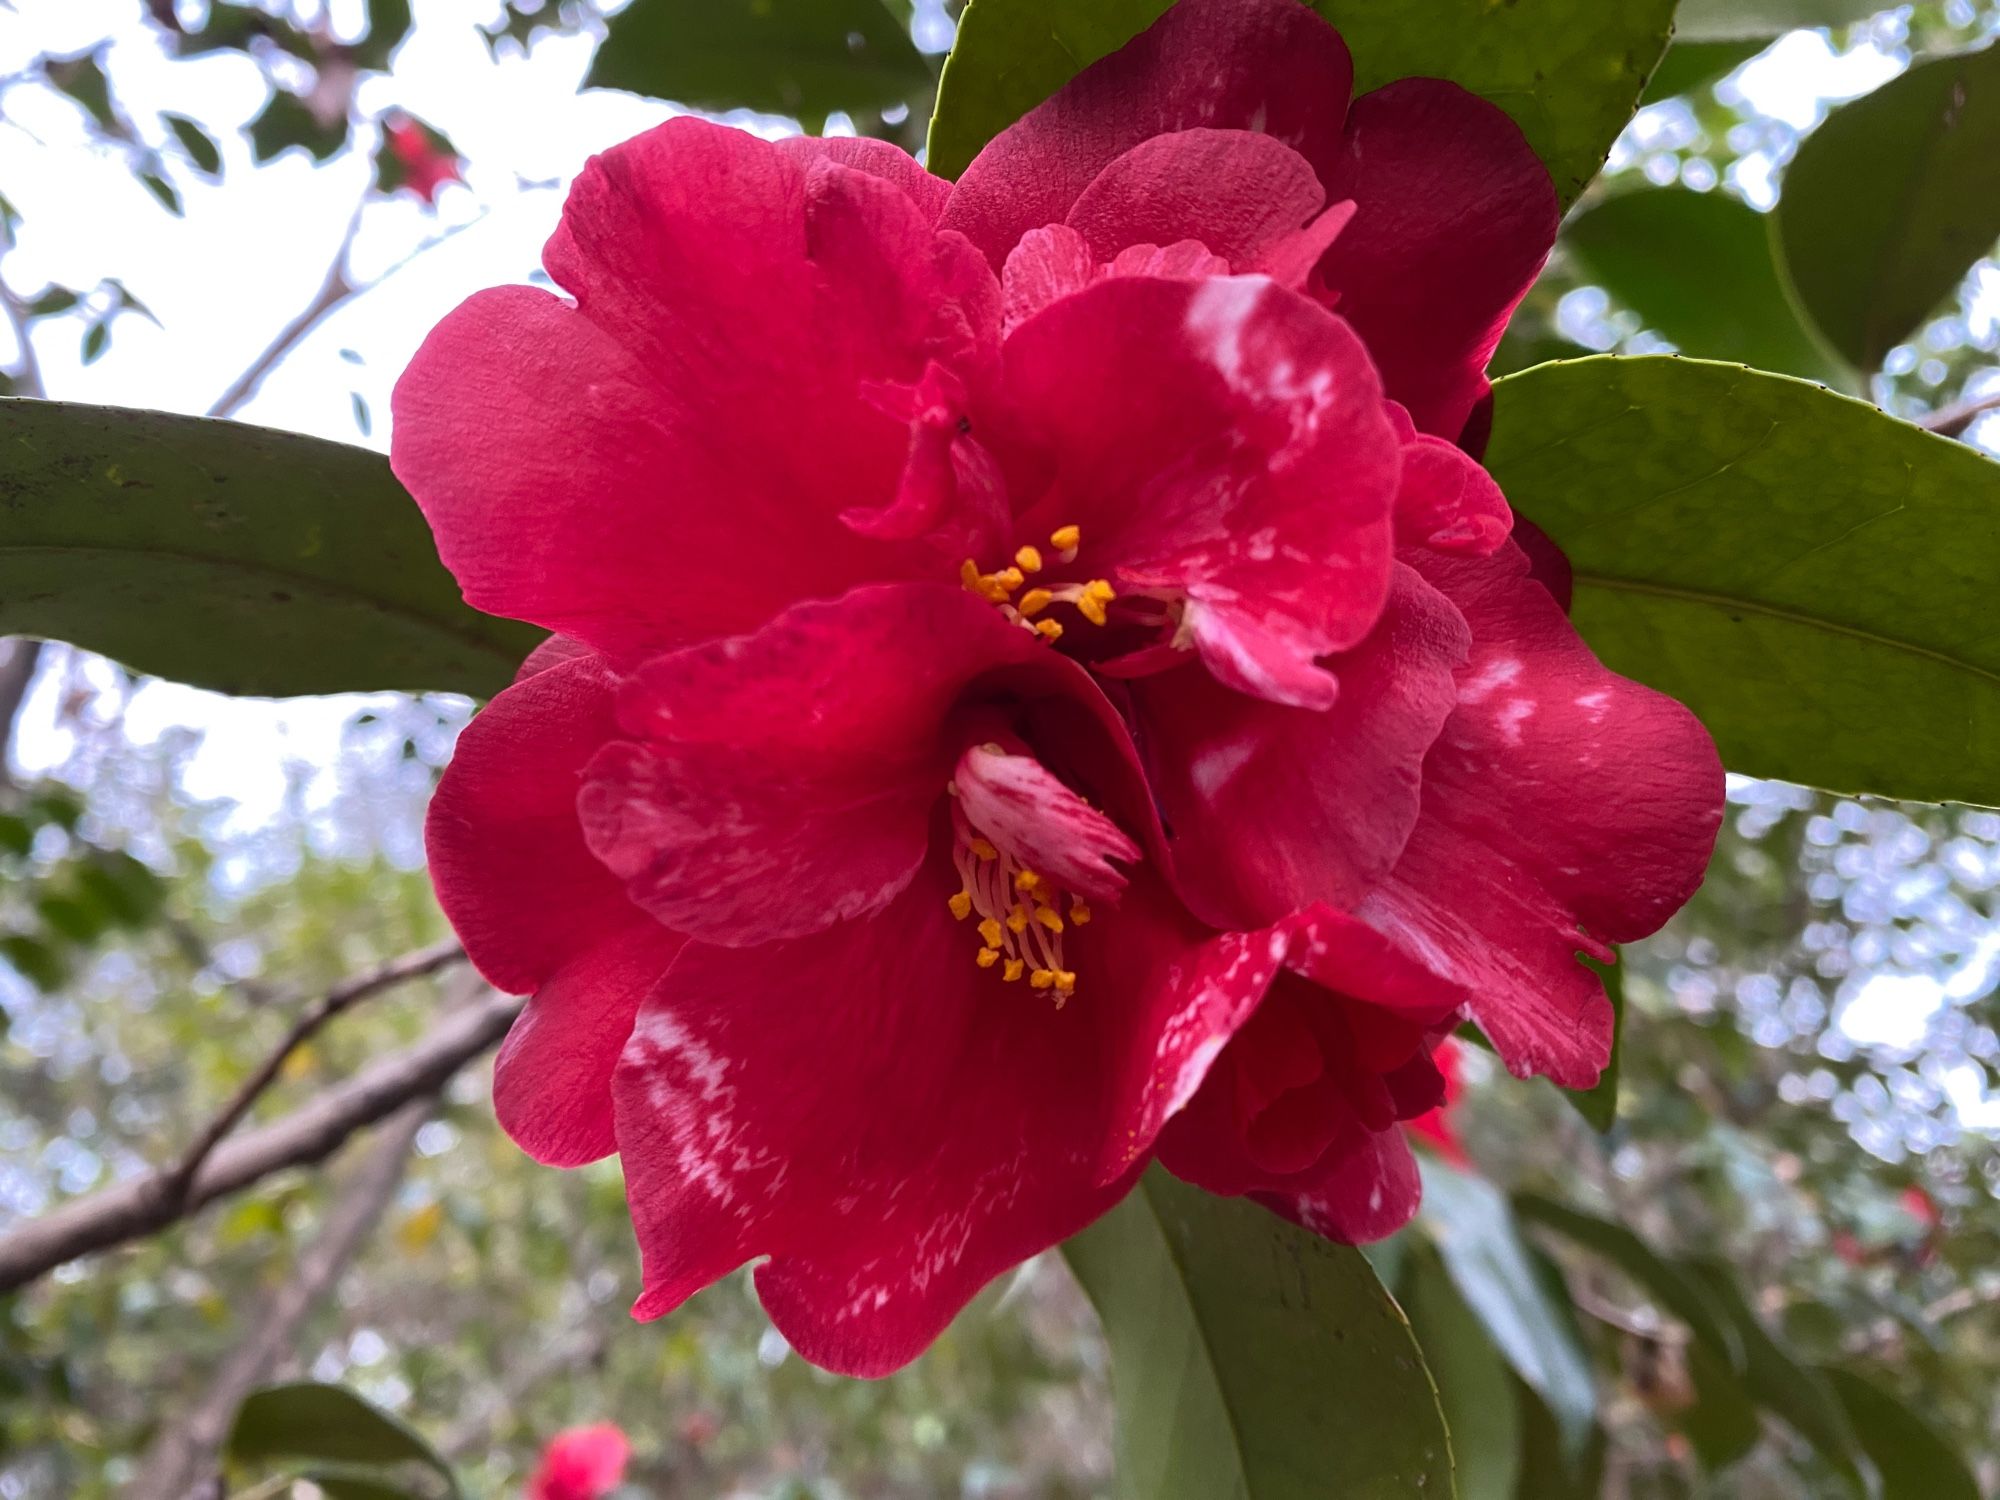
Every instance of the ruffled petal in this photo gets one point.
(889, 1124)
(1564, 807)
(552, 1078)
(1236, 192)
(779, 783)
(877, 158)
(1224, 443)
(507, 859)
(1272, 807)
(1448, 502)
(1454, 216)
(1014, 801)
(669, 458)
(1265, 65)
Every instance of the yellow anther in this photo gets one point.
(968, 574)
(1029, 559)
(989, 932)
(1096, 594)
(1008, 579)
(1026, 880)
(1049, 630)
(1034, 601)
(983, 849)
(1017, 919)
(987, 958)
(1042, 979)
(1065, 981)
(1011, 970)
(1079, 913)
(1046, 915)
(961, 905)
(1066, 538)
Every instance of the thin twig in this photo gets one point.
(17, 673)
(349, 992)
(184, 1454)
(333, 291)
(28, 371)
(309, 1134)
(1952, 420)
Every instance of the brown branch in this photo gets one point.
(17, 672)
(333, 291)
(309, 1134)
(1951, 421)
(183, 1457)
(175, 1180)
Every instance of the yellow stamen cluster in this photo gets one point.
(998, 588)
(1020, 929)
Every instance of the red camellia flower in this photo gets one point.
(581, 1463)
(1435, 1125)
(426, 167)
(1037, 686)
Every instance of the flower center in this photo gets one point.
(1030, 609)
(1019, 909)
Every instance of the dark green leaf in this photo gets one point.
(1568, 71)
(82, 78)
(128, 891)
(168, 195)
(1915, 1461)
(1248, 1354)
(1781, 1384)
(230, 556)
(287, 123)
(1690, 65)
(1722, 1423)
(326, 1424)
(16, 837)
(796, 57)
(1713, 20)
(1809, 575)
(1697, 268)
(1474, 1389)
(1550, 1470)
(35, 961)
(1889, 203)
(1673, 1288)
(57, 299)
(96, 339)
(1599, 1104)
(388, 24)
(1469, 1221)
(198, 143)
(77, 921)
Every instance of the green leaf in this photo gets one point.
(82, 78)
(198, 143)
(1780, 1383)
(1888, 204)
(1469, 1221)
(797, 57)
(168, 196)
(1809, 575)
(1598, 1104)
(1722, 1422)
(327, 1425)
(388, 24)
(37, 962)
(1915, 1461)
(1252, 1358)
(1550, 1470)
(57, 299)
(1474, 1388)
(230, 556)
(287, 124)
(96, 340)
(1697, 268)
(1715, 20)
(1568, 71)
(1673, 1288)
(1690, 65)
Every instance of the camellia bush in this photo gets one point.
(1226, 669)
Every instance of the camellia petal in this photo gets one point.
(1563, 807)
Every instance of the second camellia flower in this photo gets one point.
(1038, 684)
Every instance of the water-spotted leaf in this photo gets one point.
(1568, 71)
(1811, 576)
(1891, 201)
(795, 57)
(1252, 1360)
(230, 556)
(1697, 268)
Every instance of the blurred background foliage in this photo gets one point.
(1799, 1177)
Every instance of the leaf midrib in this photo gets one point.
(1735, 604)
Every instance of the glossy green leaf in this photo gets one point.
(1673, 1288)
(1697, 268)
(1915, 1461)
(230, 556)
(1568, 71)
(1888, 204)
(328, 1425)
(1474, 1388)
(1469, 1221)
(1780, 1383)
(1712, 20)
(287, 123)
(796, 57)
(1811, 576)
(1690, 65)
(1253, 1360)
(197, 142)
